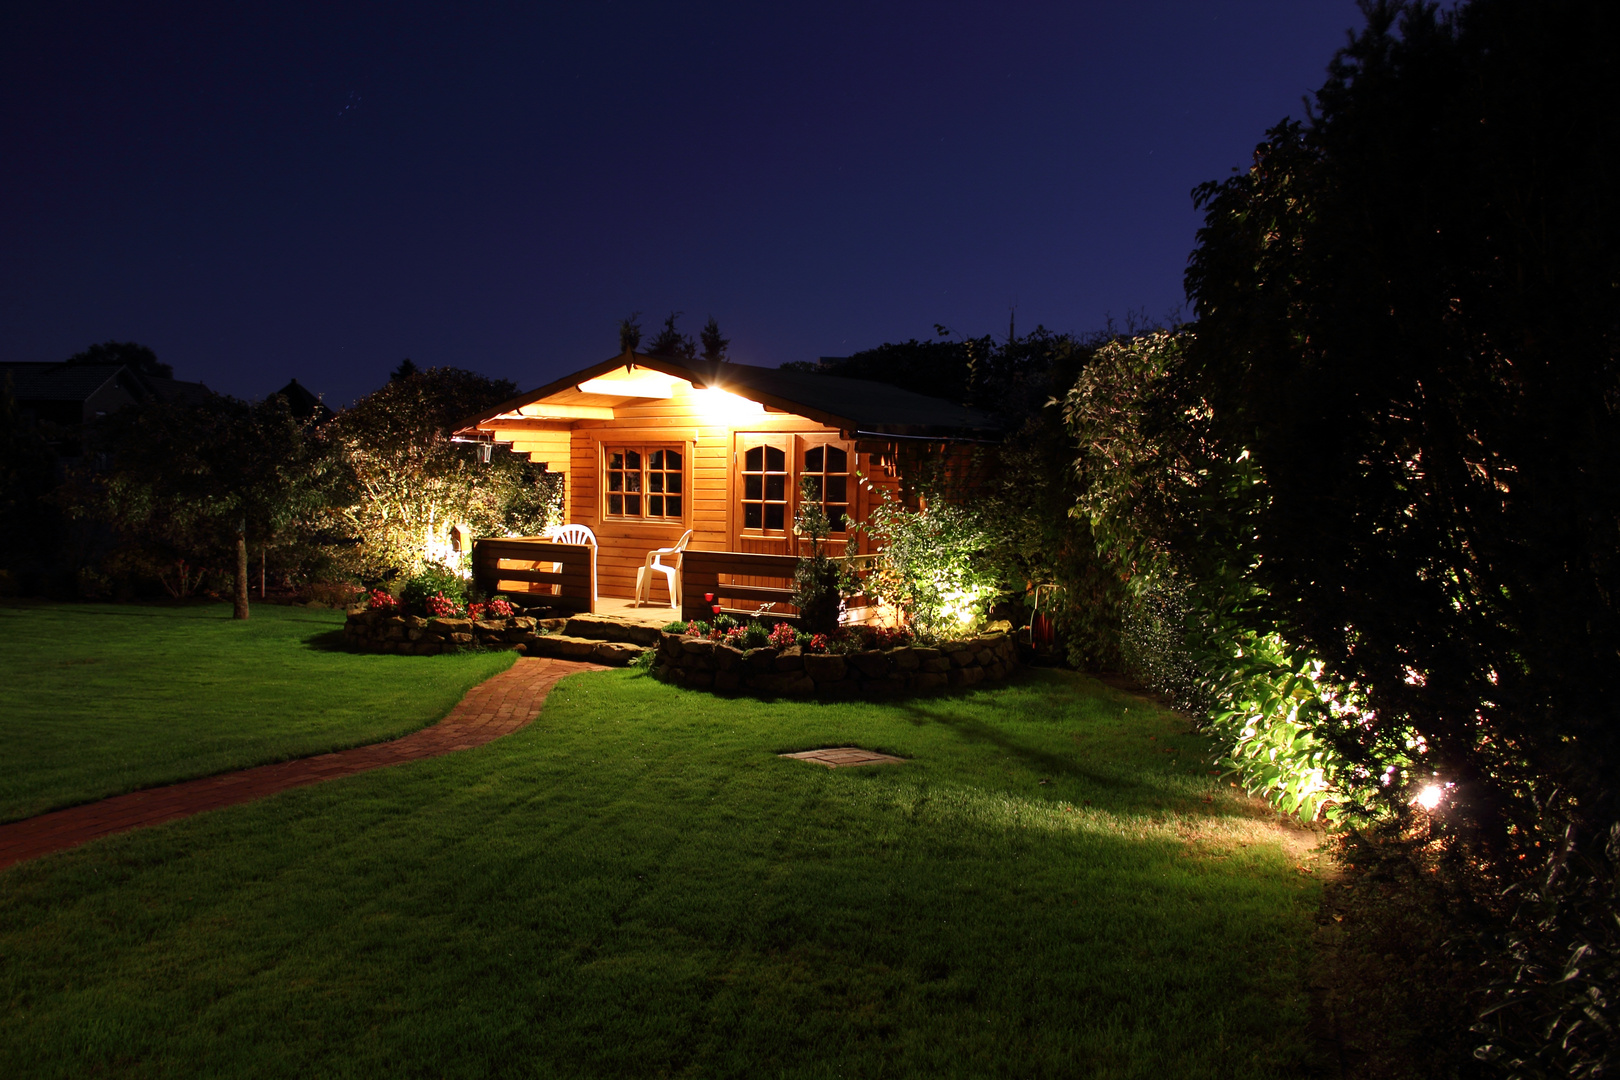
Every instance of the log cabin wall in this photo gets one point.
(705, 429)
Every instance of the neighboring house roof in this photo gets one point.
(64, 382)
(305, 405)
(853, 405)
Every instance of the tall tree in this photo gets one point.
(630, 332)
(1408, 316)
(670, 342)
(186, 485)
(409, 483)
(131, 355)
(28, 475)
(714, 345)
(407, 368)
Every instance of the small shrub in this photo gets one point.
(724, 623)
(331, 593)
(676, 627)
(755, 636)
(381, 600)
(644, 659)
(434, 580)
(697, 628)
(933, 566)
(783, 636)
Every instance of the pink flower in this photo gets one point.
(441, 607)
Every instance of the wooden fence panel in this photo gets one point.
(770, 580)
(564, 574)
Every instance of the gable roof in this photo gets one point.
(31, 381)
(62, 381)
(305, 405)
(853, 405)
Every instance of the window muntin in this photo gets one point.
(645, 482)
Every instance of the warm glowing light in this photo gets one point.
(651, 384)
(1431, 796)
(718, 404)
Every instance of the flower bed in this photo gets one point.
(703, 663)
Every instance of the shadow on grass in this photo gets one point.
(330, 641)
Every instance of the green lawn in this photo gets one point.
(104, 699)
(636, 885)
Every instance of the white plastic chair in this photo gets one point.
(574, 534)
(670, 570)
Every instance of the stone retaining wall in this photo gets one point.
(411, 635)
(909, 669)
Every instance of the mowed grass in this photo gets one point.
(103, 699)
(637, 885)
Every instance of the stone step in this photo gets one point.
(568, 647)
(607, 628)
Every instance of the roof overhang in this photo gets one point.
(631, 377)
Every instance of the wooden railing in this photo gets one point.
(702, 573)
(523, 565)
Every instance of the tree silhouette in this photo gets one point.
(671, 343)
(630, 332)
(130, 354)
(714, 346)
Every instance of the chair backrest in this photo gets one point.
(680, 545)
(574, 534)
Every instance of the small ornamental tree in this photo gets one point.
(820, 582)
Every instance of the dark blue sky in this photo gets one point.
(318, 192)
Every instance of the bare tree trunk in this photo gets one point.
(241, 611)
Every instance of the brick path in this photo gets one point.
(495, 707)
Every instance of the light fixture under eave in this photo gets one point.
(716, 404)
(649, 384)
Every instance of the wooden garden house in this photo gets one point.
(651, 447)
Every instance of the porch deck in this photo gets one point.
(646, 615)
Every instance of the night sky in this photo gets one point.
(321, 192)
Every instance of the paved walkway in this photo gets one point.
(495, 707)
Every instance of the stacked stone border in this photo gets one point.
(601, 641)
(911, 669)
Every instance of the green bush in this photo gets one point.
(933, 566)
(433, 580)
